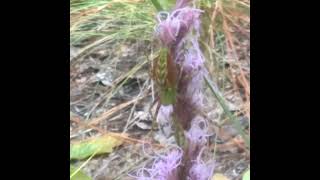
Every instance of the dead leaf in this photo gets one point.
(219, 176)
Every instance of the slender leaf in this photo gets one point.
(79, 175)
(157, 5)
(226, 109)
(163, 5)
(103, 144)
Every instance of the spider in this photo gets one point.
(164, 74)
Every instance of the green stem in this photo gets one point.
(179, 133)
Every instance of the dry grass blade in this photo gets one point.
(112, 111)
(121, 136)
(87, 49)
(99, 19)
(109, 95)
(213, 18)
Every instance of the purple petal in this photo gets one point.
(175, 26)
(163, 168)
(164, 115)
(196, 137)
(201, 171)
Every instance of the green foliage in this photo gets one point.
(104, 144)
(163, 5)
(119, 20)
(79, 175)
(233, 119)
(168, 96)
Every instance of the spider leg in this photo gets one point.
(154, 117)
(154, 121)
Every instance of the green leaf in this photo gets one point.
(167, 4)
(157, 5)
(234, 120)
(246, 175)
(100, 145)
(168, 96)
(79, 175)
(163, 5)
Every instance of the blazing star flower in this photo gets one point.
(163, 168)
(196, 137)
(194, 70)
(201, 171)
(173, 26)
(179, 31)
(166, 167)
(190, 85)
(168, 28)
(187, 16)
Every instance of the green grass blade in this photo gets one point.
(79, 175)
(157, 5)
(82, 165)
(226, 109)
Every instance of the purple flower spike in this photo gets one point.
(194, 59)
(179, 31)
(197, 134)
(190, 85)
(173, 26)
(187, 16)
(168, 28)
(166, 167)
(201, 171)
(163, 168)
(197, 137)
